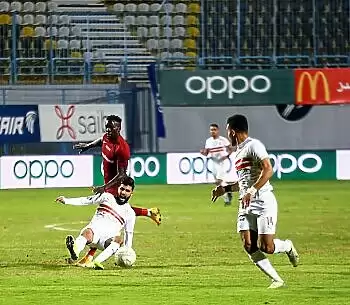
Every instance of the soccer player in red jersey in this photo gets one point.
(115, 156)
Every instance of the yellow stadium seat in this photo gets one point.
(191, 54)
(47, 44)
(194, 8)
(190, 44)
(192, 20)
(76, 54)
(5, 19)
(99, 68)
(28, 31)
(193, 32)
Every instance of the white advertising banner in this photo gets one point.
(46, 171)
(77, 123)
(343, 164)
(189, 168)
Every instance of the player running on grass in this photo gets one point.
(115, 154)
(257, 215)
(113, 215)
(219, 149)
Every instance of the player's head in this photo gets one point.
(214, 130)
(113, 126)
(125, 190)
(236, 126)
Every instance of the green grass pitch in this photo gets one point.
(194, 257)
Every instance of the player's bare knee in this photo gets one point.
(118, 240)
(268, 248)
(88, 234)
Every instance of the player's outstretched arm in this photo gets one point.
(129, 228)
(114, 181)
(86, 146)
(221, 190)
(95, 199)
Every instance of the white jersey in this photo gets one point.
(113, 215)
(248, 157)
(217, 148)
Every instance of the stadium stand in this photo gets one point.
(275, 34)
(82, 41)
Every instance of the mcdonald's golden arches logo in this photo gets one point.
(314, 82)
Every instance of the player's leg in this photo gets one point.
(87, 258)
(219, 174)
(111, 247)
(153, 213)
(267, 228)
(247, 227)
(76, 246)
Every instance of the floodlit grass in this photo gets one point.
(194, 257)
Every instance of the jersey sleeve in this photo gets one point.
(207, 144)
(258, 150)
(93, 199)
(129, 228)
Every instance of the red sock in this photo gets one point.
(140, 211)
(92, 251)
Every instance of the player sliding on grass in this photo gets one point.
(257, 216)
(113, 214)
(115, 154)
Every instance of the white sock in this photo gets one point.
(79, 244)
(263, 263)
(282, 246)
(108, 252)
(226, 198)
(149, 212)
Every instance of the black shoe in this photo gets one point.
(70, 247)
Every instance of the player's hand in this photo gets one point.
(60, 199)
(204, 151)
(98, 189)
(217, 192)
(81, 147)
(246, 200)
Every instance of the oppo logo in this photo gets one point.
(229, 86)
(142, 167)
(286, 164)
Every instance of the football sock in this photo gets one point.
(281, 246)
(91, 252)
(227, 197)
(140, 211)
(108, 252)
(79, 244)
(263, 263)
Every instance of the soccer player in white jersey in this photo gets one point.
(218, 148)
(257, 215)
(113, 214)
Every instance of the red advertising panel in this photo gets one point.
(322, 86)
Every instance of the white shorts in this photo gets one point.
(219, 171)
(263, 220)
(103, 229)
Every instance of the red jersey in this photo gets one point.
(115, 155)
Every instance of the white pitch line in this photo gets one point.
(59, 226)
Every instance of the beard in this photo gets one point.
(122, 200)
